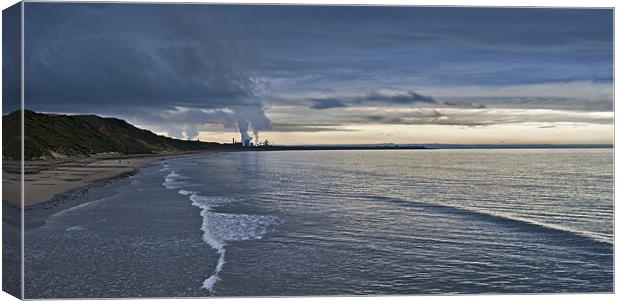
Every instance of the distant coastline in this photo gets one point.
(390, 146)
(515, 146)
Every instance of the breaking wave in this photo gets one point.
(217, 227)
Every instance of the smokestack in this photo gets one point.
(251, 118)
(247, 141)
(243, 130)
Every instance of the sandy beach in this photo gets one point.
(45, 178)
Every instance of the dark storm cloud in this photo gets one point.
(146, 56)
(11, 58)
(488, 28)
(443, 45)
(149, 56)
(207, 55)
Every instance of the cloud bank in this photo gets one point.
(182, 69)
(149, 57)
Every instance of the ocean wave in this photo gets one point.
(219, 228)
(174, 180)
(76, 228)
(548, 226)
(186, 192)
(502, 217)
(85, 206)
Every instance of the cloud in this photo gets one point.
(464, 104)
(580, 96)
(183, 122)
(486, 117)
(448, 116)
(148, 57)
(395, 97)
(251, 117)
(577, 95)
(312, 128)
(11, 65)
(327, 103)
(181, 67)
(390, 97)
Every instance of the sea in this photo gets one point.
(335, 222)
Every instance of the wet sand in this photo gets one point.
(46, 178)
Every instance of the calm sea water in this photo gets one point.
(337, 222)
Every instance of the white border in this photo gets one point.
(500, 3)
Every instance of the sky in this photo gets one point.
(327, 74)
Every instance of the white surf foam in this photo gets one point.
(218, 228)
(175, 181)
(186, 192)
(76, 228)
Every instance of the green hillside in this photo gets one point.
(47, 135)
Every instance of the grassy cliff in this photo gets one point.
(49, 135)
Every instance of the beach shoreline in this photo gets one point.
(46, 179)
